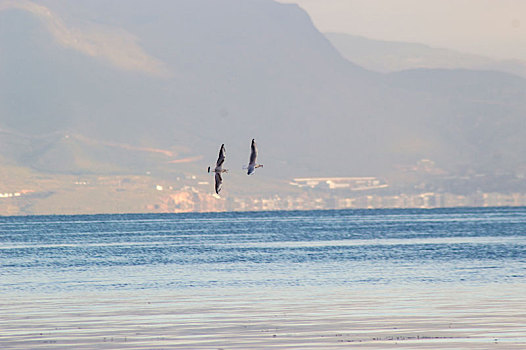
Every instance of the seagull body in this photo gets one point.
(219, 169)
(252, 161)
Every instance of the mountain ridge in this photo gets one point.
(391, 56)
(233, 72)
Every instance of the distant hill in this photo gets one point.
(392, 56)
(124, 86)
(475, 118)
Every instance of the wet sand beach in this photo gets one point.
(291, 318)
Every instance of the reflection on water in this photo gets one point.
(450, 278)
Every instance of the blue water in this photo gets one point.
(443, 278)
(52, 253)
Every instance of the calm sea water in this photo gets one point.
(321, 279)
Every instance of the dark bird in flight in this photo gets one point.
(219, 168)
(252, 161)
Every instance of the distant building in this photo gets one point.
(351, 183)
(10, 195)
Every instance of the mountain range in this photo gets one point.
(130, 86)
(392, 56)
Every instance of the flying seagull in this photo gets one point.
(252, 161)
(219, 168)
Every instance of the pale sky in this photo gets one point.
(495, 28)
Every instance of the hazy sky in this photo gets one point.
(495, 28)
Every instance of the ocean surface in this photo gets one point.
(442, 278)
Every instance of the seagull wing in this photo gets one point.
(221, 157)
(219, 182)
(253, 153)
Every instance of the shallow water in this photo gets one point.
(445, 278)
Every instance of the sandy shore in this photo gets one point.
(458, 317)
